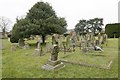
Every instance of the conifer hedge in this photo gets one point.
(111, 29)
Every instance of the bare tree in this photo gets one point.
(4, 25)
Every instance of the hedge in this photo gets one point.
(111, 29)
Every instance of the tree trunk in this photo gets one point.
(3, 35)
(43, 39)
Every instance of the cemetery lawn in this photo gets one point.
(22, 64)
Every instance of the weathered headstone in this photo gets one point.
(13, 47)
(84, 46)
(1, 44)
(98, 39)
(73, 42)
(60, 40)
(80, 42)
(53, 62)
(8, 39)
(106, 39)
(64, 45)
(49, 47)
(26, 46)
(21, 43)
(32, 37)
(68, 43)
(39, 50)
(54, 39)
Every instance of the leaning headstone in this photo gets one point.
(53, 63)
(97, 48)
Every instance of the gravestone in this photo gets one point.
(73, 42)
(64, 45)
(102, 41)
(86, 43)
(68, 43)
(60, 40)
(98, 39)
(32, 37)
(39, 50)
(106, 39)
(77, 43)
(1, 44)
(26, 46)
(53, 63)
(13, 47)
(49, 47)
(8, 39)
(54, 39)
(21, 43)
(97, 48)
(84, 46)
(80, 42)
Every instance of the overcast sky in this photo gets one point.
(72, 10)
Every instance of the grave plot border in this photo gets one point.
(109, 65)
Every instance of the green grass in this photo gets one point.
(0, 59)
(22, 64)
(96, 58)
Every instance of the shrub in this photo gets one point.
(111, 29)
(14, 39)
